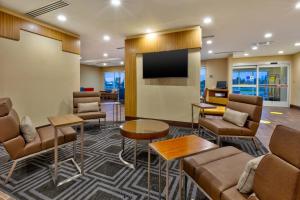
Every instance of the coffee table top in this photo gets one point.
(144, 129)
(64, 120)
(182, 147)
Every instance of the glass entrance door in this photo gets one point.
(273, 85)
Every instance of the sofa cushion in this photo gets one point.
(28, 130)
(220, 175)
(47, 137)
(245, 184)
(91, 115)
(233, 194)
(191, 163)
(235, 117)
(276, 179)
(5, 106)
(221, 127)
(88, 107)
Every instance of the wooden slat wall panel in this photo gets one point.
(186, 39)
(10, 26)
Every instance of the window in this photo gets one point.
(202, 80)
(244, 80)
(114, 80)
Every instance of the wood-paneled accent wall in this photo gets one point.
(11, 23)
(164, 41)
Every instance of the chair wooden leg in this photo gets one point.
(219, 142)
(11, 171)
(254, 140)
(99, 124)
(74, 150)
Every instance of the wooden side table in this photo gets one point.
(202, 107)
(59, 122)
(176, 149)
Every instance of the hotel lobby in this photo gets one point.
(136, 100)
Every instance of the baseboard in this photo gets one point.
(170, 122)
(295, 106)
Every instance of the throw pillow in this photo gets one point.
(245, 184)
(28, 130)
(235, 117)
(88, 107)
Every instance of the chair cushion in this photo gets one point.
(91, 115)
(69, 133)
(219, 110)
(33, 147)
(218, 176)
(235, 117)
(233, 194)
(47, 137)
(5, 106)
(221, 127)
(88, 107)
(191, 163)
(28, 129)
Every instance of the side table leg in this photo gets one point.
(180, 178)
(81, 148)
(134, 156)
(192, 118)
(167, 180)
(159, 176)
(55, 155)
(149, 171)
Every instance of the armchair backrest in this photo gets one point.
(278, 174)
(85, 97)
(248, 104)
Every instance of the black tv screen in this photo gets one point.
(165, 64)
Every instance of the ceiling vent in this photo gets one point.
(48, 8)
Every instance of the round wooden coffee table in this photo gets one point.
(141, 129)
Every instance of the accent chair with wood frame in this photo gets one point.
(88, 97)
(243, 103)
(16, 146)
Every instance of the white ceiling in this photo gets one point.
(237, 24)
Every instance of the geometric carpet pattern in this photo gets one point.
(106, 178)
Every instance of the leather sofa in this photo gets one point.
(242, 103)
(14, 143)
(88, 97)
(277, 177)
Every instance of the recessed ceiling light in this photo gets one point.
(105, 55)
(207, 20)
(104, 64)
(210, 51)
(246, 54)
(62, 18)
(268, 35)
(148, 30)
(209, 42)
(122, 63)
(254, 48)
(280, 52)
(106, 38)
(297, 5)
(115, 2)
(297, 44)
(151, 36)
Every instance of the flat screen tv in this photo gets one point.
(165, 64)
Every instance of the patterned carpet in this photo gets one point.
(106, 178)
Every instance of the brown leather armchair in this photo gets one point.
(88, 97)
(277, 176)
(242, 103)
(14, 143)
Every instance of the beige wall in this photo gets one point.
(169, 98)
(296, 80)
(216, 70)
(38, 76)
(91, 76)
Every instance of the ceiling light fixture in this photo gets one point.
(210, 51)
(115, 3)
(254, 48)
(148, 30)
(280, 52)
(297, 5)
(106, 38)
(246, 54)
(207, 20)
(268, 35)
(105, 55)
(209, 42)
(104, 64)
(61, 18)
(122, 62)
(297, 44)
(151, 36)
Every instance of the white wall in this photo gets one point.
(91, 76)
(216, 70)
(169, 98)
(38, 76)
